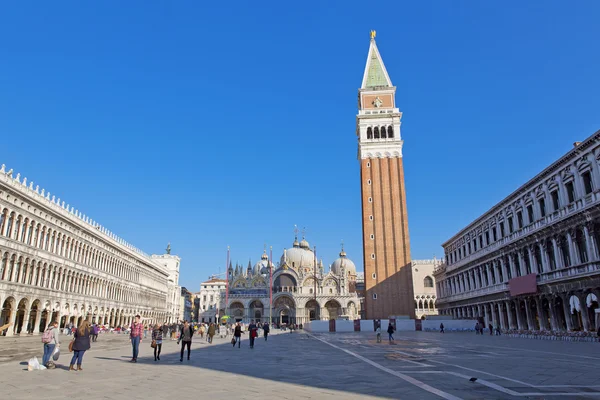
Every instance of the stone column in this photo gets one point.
(38, 319)
(471, 280)
(567, 312)
(25, 320)
(553, 318)
(494, 317)
(520, 322)
(585, 318)
(532, 260)
(542, 317)
(489, 274)
(504, 269)
(501, 315)
(557, 254)
(530, 322)
(497, 272)
(589, 242)
(513, 268)
(522, 265)
(545, 261)
(12, 319)
(574, 255)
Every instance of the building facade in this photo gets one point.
(186, 305)
(58, 264)
(171, 263)
(424, 287)
(210, 297)
(532, 261)
(386, 244)
(302, 290)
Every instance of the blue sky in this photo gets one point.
(208, 125)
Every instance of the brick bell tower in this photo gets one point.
(386, 244)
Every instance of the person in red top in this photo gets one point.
(137, 331)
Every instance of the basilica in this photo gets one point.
(301, 289)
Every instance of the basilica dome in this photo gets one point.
(344, 261)
(299, 256)
(262, 267)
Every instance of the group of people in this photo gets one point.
(82, 338)
(85, 334)
(252, 333)
(390, 330)
(480, 327)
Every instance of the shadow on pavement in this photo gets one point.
(288, 358)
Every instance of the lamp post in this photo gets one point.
(269, 264)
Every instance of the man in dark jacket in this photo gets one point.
(266, 330)
(185, 337)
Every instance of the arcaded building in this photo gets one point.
(532, 261)
(58, 264)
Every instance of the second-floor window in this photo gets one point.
(555, 200)
(587, 182)
(570, 191)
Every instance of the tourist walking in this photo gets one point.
(201, 331)
(135, 334)
(211, 332)
(491, 328)
(95, 331)
(185, 337)
(157, 338)
(252, 333)
(442, 327)
(390, 330)
(237, 335)
(266, 330)
(81, 343)
(50, 340)
(477, 328)
(378, 332)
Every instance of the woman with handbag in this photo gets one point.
(157, 338)
(80, 344)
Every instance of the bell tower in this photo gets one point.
(386, 244)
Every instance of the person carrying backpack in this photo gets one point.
(50, 340)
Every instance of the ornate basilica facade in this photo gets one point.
(58, 264)
(302, 290)
(532, 262)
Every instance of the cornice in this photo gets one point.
(529, 186)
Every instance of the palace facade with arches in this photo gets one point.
(302, 289)
(532, 262)
(58, 264)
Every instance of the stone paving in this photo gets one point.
(418, 365)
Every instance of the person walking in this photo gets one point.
(50, 340)
(81, 343)
(491, 328)
(211, 332)
(157, 338)
(185, 337)
(442, 327)
(252, 333)
(237, 335)
(95, 331)
(378, 332)
(390, 330)
(266, 330)
(135, 334)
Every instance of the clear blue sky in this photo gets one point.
(207, 125)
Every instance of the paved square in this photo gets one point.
(419, 365)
